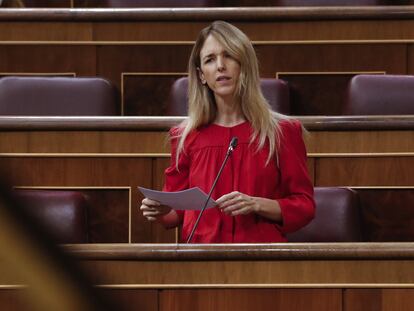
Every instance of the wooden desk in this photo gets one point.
(313, 265)
(273, 276)
(295, 277)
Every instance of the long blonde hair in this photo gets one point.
(202, 108)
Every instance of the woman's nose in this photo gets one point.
(221, 64)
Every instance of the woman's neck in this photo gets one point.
(228, 113)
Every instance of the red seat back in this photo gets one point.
(62, 213)
(337, 218)
(275, 91)
(57, 96)
(380, 95)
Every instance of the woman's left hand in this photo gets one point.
(237, 203)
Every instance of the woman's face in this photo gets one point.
(218, 69)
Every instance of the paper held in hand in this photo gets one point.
(190, 199)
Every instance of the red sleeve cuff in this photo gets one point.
(296, 212)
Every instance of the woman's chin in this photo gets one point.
(225, 93)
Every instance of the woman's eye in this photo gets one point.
(208, 60)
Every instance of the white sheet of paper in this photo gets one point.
(190, 199)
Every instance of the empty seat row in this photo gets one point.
(62, 96)
(64, 214)
(367, 95)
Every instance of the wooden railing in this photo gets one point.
(328, 276)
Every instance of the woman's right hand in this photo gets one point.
(153, 209)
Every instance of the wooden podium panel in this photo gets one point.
(319, 276)
(251, 299)
(249, 276)
(248, 265)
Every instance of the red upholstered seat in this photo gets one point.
(276, 92)
(57, 96)
(337, 218)
(62, 213)
(380, 95)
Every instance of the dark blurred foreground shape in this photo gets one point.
(46, 278)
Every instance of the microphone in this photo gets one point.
(232, 146)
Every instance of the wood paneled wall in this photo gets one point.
(350, 299)
(315, 51)
(317, 74)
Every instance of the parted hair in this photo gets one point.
(202, 108)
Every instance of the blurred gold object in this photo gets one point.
(43, 281)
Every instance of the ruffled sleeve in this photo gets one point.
(297, 204)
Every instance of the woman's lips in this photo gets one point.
(223, 80)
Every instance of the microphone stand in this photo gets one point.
(233, 145)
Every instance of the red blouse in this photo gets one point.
(246, 172)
